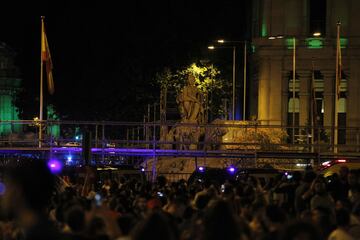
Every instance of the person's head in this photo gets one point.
(320, 216)
(75, 219)
(324, 220)
(154, 204)
(156, 226)
(309, 176)
(202, 201)
(177, 206)
(296, 176)
(352, 178)
(207, 183)
(220, 222)
(126, 224)
(343, 172)
(28, 186)
(161, 181)
(96, 226)
(227, 191)
(343, 204)
(275, 214)
(342, 217)
(300, 231)
(140, 203)
(320, 186)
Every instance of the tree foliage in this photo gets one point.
(207, 79)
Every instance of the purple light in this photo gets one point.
(143, 169)
(201, 169)
(231, 169)
(55, 166)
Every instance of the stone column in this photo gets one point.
(329, 78)
(353, 103)
(305, 78)
(275, 91)
(264, 89)
(284, 98)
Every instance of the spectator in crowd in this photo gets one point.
(29, 190)
(297, 206)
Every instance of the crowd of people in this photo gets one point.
(306, 206)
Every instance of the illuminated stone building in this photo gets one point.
(9, 84)
(285, 20)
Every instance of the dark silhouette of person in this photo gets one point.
(220, 222)
(300, 230)
(157, 226)
(29, 189)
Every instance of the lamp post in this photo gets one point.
(222, 41)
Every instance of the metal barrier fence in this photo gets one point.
(227, 136)
(170, 176)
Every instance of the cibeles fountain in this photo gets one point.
(194, 133)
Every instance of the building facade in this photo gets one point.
(276, 24)
(9, 84)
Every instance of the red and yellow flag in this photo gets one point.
(46, 57)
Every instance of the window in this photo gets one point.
(317, 17)
(3, 63)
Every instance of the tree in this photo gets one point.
(207, 79)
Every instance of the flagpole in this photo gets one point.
(41, 81)
(293, 90)
(245, 64)
(336, 90)
(312, 106)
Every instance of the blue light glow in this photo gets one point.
(2, 188)
(231, 169)
(201, 169)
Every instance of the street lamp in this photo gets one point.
(233, 76)
(222, 41)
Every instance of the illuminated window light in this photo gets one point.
(314, 43)
(290, 43)
(263, 30)
(344, 42)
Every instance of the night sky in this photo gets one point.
(105, 55)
